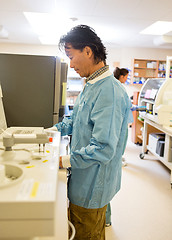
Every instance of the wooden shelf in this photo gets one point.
(147, 68)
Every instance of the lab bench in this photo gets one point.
(35, 204)
(151, 126)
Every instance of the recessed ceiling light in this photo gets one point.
(158, 28)
(49, 27)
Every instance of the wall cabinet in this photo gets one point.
(146, 68)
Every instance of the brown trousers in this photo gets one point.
(89, 223)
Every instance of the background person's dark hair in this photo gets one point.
(80, 37)
(120, 71)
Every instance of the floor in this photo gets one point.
(142, 209)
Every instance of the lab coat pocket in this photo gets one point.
(86, 124)
(84, 113)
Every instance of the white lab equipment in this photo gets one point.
(10, 174)
(156, 95)
(148, 96)
(29, 188)
(25, 135)
(28, 195)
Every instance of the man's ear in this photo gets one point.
(88, 51)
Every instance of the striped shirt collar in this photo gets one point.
(97, 73)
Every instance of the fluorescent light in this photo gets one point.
(158, 28)
(49, 27)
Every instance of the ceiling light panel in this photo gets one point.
(48, 26)
(158, 28)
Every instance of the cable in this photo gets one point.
(73, 230)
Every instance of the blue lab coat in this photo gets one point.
(98, 126)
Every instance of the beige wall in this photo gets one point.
(122, 55)
(29, 49)
(126, 55)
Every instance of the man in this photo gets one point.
(98, 126)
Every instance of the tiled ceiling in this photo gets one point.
(117, 22)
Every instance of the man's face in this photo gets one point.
(80, 60)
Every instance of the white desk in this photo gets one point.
(167, 158)
(35, 206)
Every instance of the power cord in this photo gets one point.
(73, 230)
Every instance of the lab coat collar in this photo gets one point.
(104, 75)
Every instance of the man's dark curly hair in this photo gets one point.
(81, 36)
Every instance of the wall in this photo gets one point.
(29, 49)
(122, 55)
(126, 55)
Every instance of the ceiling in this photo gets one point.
(118, 23)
